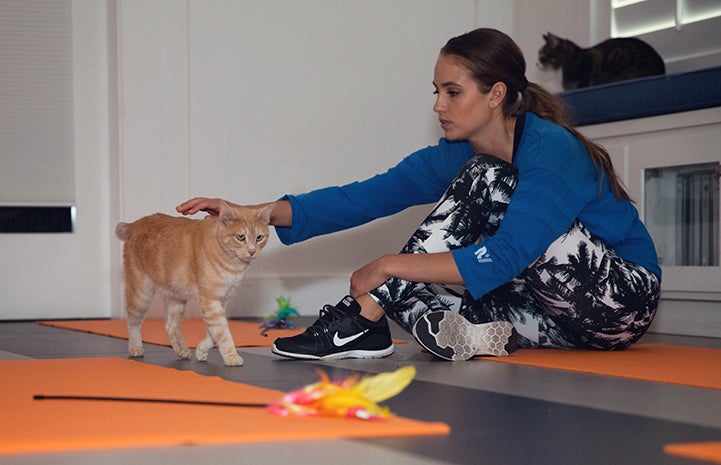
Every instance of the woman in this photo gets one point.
(533, 243)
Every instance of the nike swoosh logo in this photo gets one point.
(341, 341)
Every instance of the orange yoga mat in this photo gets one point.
(690, 366)
(30, 425)
(245, 334)
(708, 451)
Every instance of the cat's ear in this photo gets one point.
(551, 38)
(225, 213)
(265, 212)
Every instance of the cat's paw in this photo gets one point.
(134, 351)
(201, 352)
(233, 360)
(201, 355)
(183, 353)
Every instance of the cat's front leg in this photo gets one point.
(201, 352)
(217, 324)
(204, 346)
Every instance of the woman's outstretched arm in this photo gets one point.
(282, 214)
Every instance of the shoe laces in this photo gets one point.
(328, 315)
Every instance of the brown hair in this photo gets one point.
(491, 56)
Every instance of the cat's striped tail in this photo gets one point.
(121, 230)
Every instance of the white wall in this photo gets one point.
(252, 100)
(532, 19)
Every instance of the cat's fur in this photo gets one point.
(184, 260)
(610, 61)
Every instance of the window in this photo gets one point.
(684, 32)
(682, 213)
(37, 189)
(36, 103)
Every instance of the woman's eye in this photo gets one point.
(451, 93)
(240, 237)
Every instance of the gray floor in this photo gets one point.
(498, 413)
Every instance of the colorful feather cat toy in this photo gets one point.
(281, 318)
(351, 398)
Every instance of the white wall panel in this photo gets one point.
(153, 106)
(68, 275)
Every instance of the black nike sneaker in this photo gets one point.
(451, 336)
(339, 332)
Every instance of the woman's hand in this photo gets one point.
(282, 214)
(420, 268)
(197, 204)
(369, 277)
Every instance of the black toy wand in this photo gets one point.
(151, 400)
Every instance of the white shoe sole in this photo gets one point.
(450, 336)
(338, 355)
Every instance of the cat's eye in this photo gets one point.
(240, 237)
(259, 237)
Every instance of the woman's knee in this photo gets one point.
(492, 171)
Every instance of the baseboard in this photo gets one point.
(688, 318)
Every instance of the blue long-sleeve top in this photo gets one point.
(557, 184)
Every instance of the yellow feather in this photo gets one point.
(385, 385)
(350, 398)
(341, 402)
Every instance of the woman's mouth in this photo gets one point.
(445, 124)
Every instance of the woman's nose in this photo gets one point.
(438, 106)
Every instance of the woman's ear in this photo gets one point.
(497, 94)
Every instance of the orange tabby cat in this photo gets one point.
(186, 259)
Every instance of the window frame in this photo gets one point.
(685, 45)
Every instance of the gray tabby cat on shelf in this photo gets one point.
(612, 60)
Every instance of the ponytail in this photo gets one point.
(537, 100)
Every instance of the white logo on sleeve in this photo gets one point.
(482, 255)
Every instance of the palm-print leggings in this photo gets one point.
(579, 293)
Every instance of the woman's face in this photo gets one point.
(463, 110)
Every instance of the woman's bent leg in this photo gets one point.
(471, 208)
(517, 303)
(596, 298)
(579, 293)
